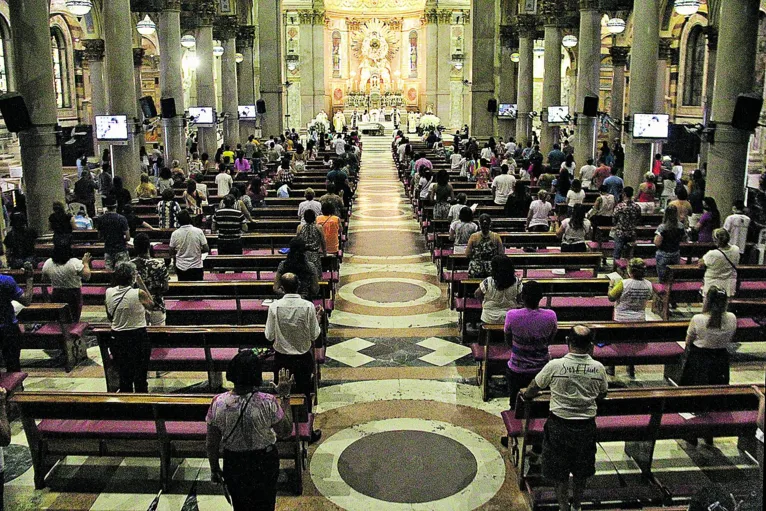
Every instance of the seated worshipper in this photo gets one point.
(668, 240)
(310, 203)
(145, 190)
(313, 236)
(113, 228)
(293, 327)
(229, 223)
(241, 164)
(738, 224)
(283, 192)
(165, 181)
(126, 308)
(440, 195)
(66, 274)
(244, 425)
(168, 210)
(518, 204)
(528, 330)
(154, 274)
(503, 186)
(82, 221)
(187, 244)
(647, 194)
(482, 247)
(708, 222)
(574, 231)
(20, 242)
(61, 223)
(539, 212)
(454, 210)
(334, 200)
(297, 263)
(577, 383)
(331, 226)
(461, 230)
(720, 264)
(499, 292)
(257, 192)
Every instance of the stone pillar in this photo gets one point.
(444, 68)
(270, 51)
(321, 98)
(246, 76)
(507, 87)
(171, 80)
(40, 152)
(551, 84)
(712, 56)
(309, 59)
(431, 20)
(483, 65)
(616, 111)
(643, 55)
(727, 160)
(527, 30)
(664, 56)
(121, 90)
(138, 61)
(227, 32)
(588, 77)
(208, 138)
(94, 54)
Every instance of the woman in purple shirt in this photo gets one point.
(528, 330)
(709, 221)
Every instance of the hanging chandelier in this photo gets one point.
(615, 25)
(239, 58)
(146, 26)
(687, 7)
(79, 7)
(569, 41)
(188, 41)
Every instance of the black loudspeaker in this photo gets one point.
(746, 112)
(260, 106)
(147, 107)
(492, 105)
(590, 106)
(168, 106)
(15, 113)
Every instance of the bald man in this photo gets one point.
(569, 444)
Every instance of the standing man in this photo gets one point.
(555, 158)
(626, 216)
(396, 117)
(502, 186)
(10, 335)
(614, 184)
(187, 244)
(113, 229)
(229, 222)
(223, 181)
(85, 190)
(569, 442)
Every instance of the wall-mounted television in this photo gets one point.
(558, 114)
(651, 126)
(247, 112)
(112, 128)
(202, 115)
(508, 110)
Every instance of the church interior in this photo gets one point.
(390, 104)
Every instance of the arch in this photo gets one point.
(59, 54)
(694, 67)
(6, 58)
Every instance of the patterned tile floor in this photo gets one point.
(395, 363)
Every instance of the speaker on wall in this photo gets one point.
(590, 106)
(492, 105)
(147, 107)
(168, 106)
(260, 106)
(15, 113)
(747, 111)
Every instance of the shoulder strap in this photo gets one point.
(239, 419)
(734, 267)
(110, 315)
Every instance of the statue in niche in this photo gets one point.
(413, 53)
(336, 53)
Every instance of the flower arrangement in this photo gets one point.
(429, 122)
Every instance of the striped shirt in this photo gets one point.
(229, 223)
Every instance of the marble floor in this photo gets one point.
(404, 426)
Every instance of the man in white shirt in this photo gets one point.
(223, 181)
(502, 186)
(577, 382)
(187, 244)
(340, 145)
(278, 147)
(737, 224)
(309, 203)
(510, 148)
(586, 174)
(293, 327)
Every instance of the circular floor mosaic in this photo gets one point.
(407, 464)
(390, 292)
(386, 293)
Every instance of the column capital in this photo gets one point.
(395, 24)
(245, 37)
(712, 37)
(94, 49)
(353, 24)
(619, 55)
(205, 13)
(225, 28)
(431, 17)
(311, 16)
(138, 57)
(172, 5)
(527, 25)
(588, 5)
(509, 37)
(665, 50)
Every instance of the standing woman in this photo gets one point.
(574, 231)
(126, 309)
(482, 247)
(441, 195)
(709, 221)
(720, 264)
(61, 224)
(667, 239)
(66, 274)
(246, 424)
(313, 236)
(500, 292)
(193, 200)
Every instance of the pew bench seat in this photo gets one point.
(639, 353)
(556, 302)
(458, 275)
(12, 382)
(230, 305)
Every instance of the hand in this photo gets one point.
(756, 388)
(3, 396)
(86, 258)
(284, 383)
(29, 271)
(216, 476)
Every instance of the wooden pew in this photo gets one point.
(133, 425)
(457, 265)
(57, 331)
(93, 290)
(641, 417)
(265, 263)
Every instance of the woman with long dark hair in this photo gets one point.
(482, 247)
(61, 223)
(561, 186)
(441, 195)
(297, 263)
(313, 237)
(500, 291)
(574, 230)
(66, 274)
(667, 239)
(709, 221)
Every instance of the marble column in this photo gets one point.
(94, 54)
(171, 80)
(588, 78)
(617, 108)
(138, 61)
(309, 58)
(321, 97)
(227, 32)
(712, 55)
(727, 160)
(527, 30)
(643, 56)
(208, 137)
(431, 20)
(664, 56)
(551, 84)
(270, 51)
(483, 66)
(444, 68)
(121, 90)
(508, 88)
(246, 76)
(40, 152)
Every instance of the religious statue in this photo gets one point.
(396, 117)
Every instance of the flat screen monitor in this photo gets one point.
(654, 126)
(112, 128)
(558, 114)
(247, 111)
(507, 110)
(202, 114)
